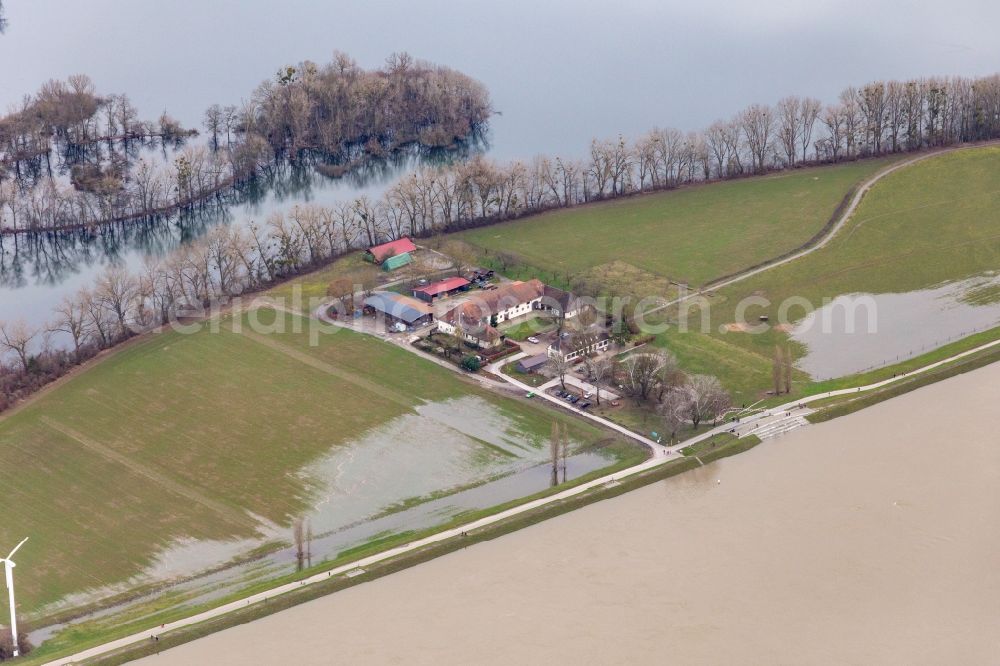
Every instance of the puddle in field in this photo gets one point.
(859, 332)
(466, 447)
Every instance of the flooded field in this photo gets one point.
(869, 539)
(858, 332)
(413, 473)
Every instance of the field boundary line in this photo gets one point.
(159, 478)
(330, 369)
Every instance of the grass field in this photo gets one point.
(932, 222)
(692, 235)
(314, 284)
(203, 436)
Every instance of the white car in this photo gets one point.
(533, 340)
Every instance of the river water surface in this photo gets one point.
(871, 539)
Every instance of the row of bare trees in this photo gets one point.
(869, 121)
(150, 189)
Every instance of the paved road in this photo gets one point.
(658, 449)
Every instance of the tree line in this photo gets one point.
(876, 119)
(339, 112)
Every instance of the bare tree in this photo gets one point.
(16, 337)
(213, 122)
(299, 536)
(757, 122)
(561, 367)
(776, 369)
(642, 372)
(809, 112)
(601, 370)
(97, 317)
(564, 449)
(787, 369)
(342, 289)
(119, 290)
(789, 127)
(833, 118)
(675, 409)
(707, 398)
(462, 255)
(554, 442)
(71, 320)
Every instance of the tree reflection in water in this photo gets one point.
(57, 257)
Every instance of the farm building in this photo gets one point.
(441, 289)
(379, 253)
(579, 345)
(475, 320)
(558, 302)
(396, 261)
(467, 322)
(532, 363)
(398, 308)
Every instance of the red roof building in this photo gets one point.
(440, 288)
(380, 253)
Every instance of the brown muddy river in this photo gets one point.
(871, 539)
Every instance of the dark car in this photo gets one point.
(574, 399)
(585, 405)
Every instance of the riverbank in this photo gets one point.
(855, 541)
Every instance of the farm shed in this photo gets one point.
(441, 288)
(398, 308)
(532, 363)
(379, 253)
(396, 261)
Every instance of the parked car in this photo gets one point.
(532, 339)
(574, 399)
(585, 405)
(588, 394)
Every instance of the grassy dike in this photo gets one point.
(842, 406)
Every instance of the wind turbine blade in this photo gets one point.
(16, 548)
